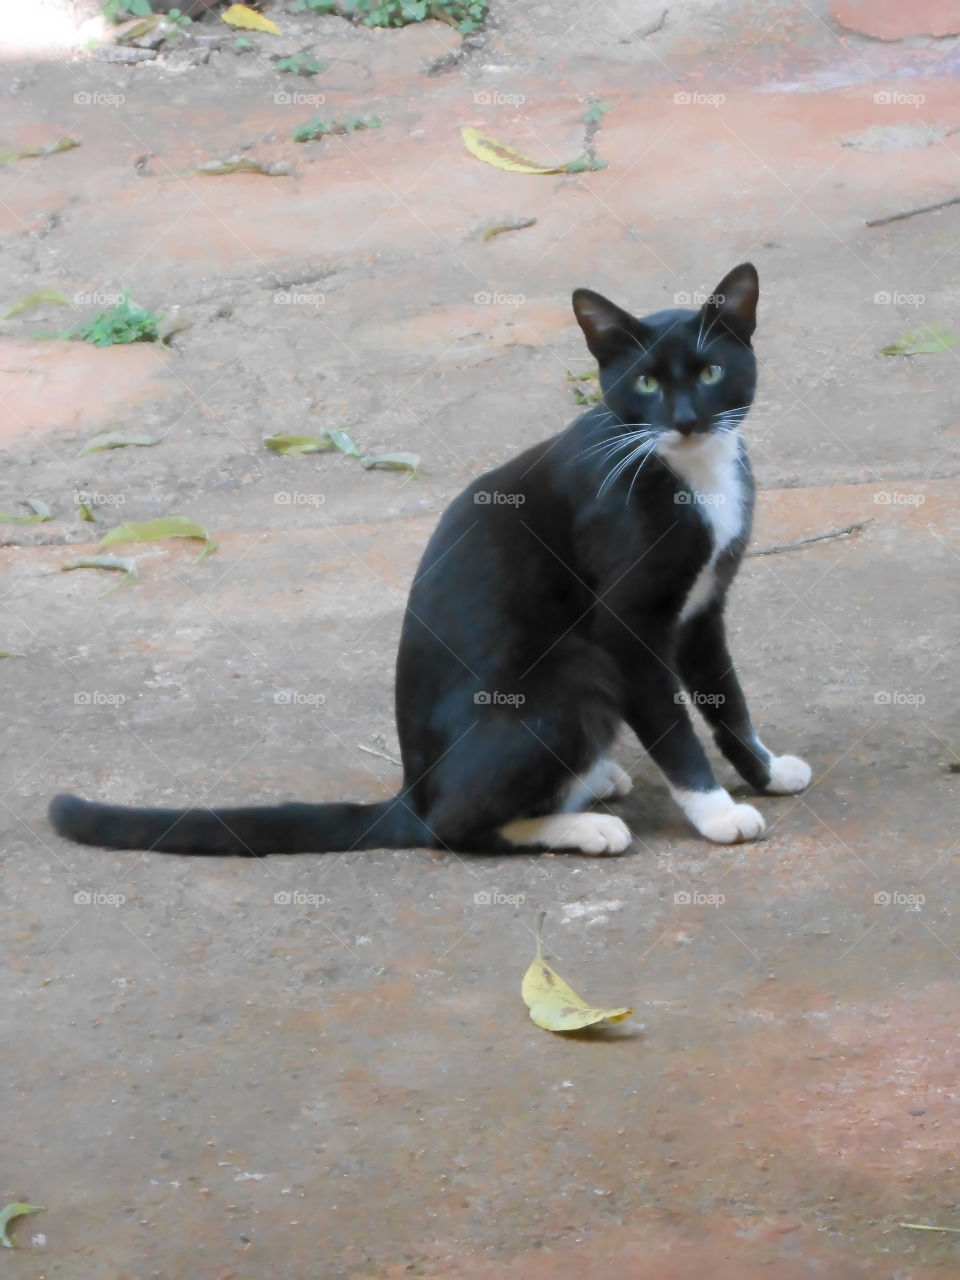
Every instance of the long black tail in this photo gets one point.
(283, 828)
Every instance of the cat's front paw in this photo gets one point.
(741, 822)
(787, 775)
(716, 815)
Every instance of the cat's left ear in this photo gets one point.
(734, 302)
(606, 327)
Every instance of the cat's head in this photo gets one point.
(685, 375)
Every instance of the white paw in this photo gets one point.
(612, 780)
(601, 833)
(788, 774)
(716, 815)
(740, 822)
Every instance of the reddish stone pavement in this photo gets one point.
(204, 1081)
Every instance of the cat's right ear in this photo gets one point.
(606, 327)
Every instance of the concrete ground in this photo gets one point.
(205, 1081)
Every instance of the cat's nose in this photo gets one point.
(684, 417)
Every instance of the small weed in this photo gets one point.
(315, 128)
(300, 64)
(125, 322)
(179, 19)
(465, 15)
(112, 9)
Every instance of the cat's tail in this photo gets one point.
(282, 828)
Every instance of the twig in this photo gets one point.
(803, 542)
(910, 213)
(372, 751)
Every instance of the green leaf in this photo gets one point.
(41, 514)
(586, 164)
(156, 530)
(39, 508)
(297, 445)
(51, 149)
(927, 340)
(8, 1214)
(345, 444)
(300, 64)
(125, 564)
(4, 654)
(392, 462)
(38, 299)
(139, 8)
(85, 512)
(244, 164)
(116, 440)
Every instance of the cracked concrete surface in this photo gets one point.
(321, 1066)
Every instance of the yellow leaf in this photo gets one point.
(490, 151)
(555, 1006)
(238, 15)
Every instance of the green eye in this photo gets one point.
(647, 383)
(711, 374)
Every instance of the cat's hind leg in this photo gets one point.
(592, 833)
(604, 780)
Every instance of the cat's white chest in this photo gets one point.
(713, 476)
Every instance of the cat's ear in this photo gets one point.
(606, 327)
(733, 303)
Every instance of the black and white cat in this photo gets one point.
(580, 585)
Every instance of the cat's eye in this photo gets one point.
(647, 383)
(711, 374)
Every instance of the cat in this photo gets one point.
(578, 586)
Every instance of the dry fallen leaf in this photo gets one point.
(555, 1006)
(8, 1214)
(238, 15)
(155, 530)
(490, 151)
